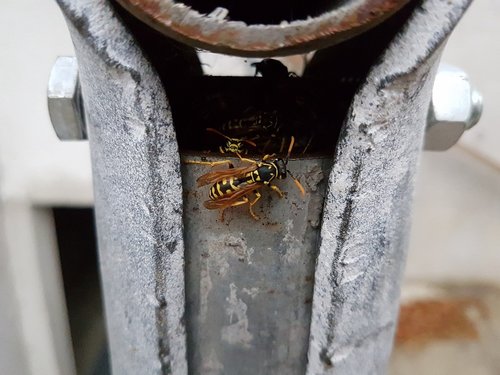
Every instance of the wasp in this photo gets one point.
(259, 123)
(233, 145)
(233, 187)
(262, 128)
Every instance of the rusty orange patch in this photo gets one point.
(421, 322)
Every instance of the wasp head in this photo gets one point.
(234, 146)
(281, 165)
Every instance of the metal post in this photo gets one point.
(365, 227)
(138, 194)
(249, 286)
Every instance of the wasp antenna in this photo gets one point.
(292, 141)
(217, 132)
(297, 183)
(251, 143)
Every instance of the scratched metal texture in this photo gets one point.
(362, 241)
(249, 283)
(138, 194)
(365, 226)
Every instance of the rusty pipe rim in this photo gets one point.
(187, 25)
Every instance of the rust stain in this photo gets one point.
(173, 22)
(426, 321)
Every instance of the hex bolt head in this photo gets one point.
(65, 101)
(477, 108)
(455, 107)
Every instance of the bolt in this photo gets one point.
(65, 101)
(455, 107)
(477, 108)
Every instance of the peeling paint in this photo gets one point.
(236, 333)
(294, 247)
(252, 292)
(205, 288)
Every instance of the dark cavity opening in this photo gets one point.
(265, 11)
(76, 239)
(312, 108)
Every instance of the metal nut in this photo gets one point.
(455, 107)
(65, 101)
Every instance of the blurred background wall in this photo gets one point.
(451, 310)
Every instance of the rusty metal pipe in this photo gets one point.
(217, 32)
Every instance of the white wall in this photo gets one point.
(36, 171)
(34, 164)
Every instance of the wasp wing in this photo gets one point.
(214, 176)
(229, 200)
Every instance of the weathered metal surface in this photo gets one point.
(365, 227)
(138, 194)
(249, 283)
(343, 21)
(234, 326)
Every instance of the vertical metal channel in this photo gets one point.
(249, 285)
(362, 249)
(138, 194)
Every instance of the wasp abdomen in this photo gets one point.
(225, 187)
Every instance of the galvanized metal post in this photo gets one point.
(365, 226)
(249, 286)
(138, 194)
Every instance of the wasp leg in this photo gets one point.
(268, 156)
(250, 206)
(266, 145)
(210, 163)
(243, 200)
(246, 159)
(277, 190)
(308, 144)
(283, 140)
(299, 186)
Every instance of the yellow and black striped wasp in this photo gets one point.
(233, 187)
(261, 122)
(233, 145)
(262, 128)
